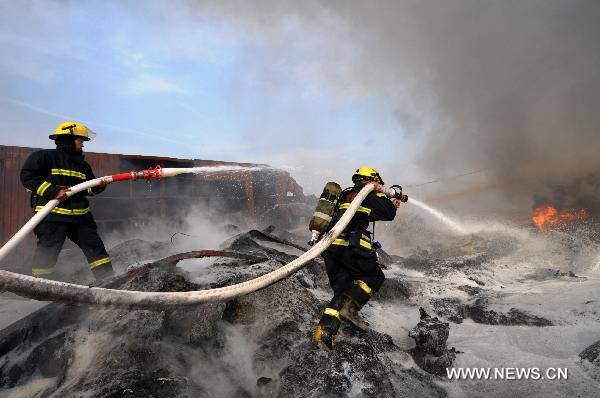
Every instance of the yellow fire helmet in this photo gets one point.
(75, 129)
(366, 172)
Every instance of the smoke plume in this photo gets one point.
(512, 87)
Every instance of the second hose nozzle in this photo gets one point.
(394, 192)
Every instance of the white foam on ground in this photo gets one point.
(34, 388)
(13, 308)
(572, 304)
(596, 267)
(395, 319)
(486, 346)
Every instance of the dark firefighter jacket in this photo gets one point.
(375, 207)
(47, 171)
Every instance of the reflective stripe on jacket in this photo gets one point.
(47, 171)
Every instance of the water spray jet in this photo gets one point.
(440, 216)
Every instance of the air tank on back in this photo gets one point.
(324, 212)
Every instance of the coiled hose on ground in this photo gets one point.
(44, 289)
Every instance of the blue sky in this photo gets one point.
(163, 78)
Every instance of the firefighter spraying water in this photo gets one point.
(49, 174)
(328, 205)
(351, 260)
(62, 212)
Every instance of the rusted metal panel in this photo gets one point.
(250, 195)
(102, 163)
(15, 207)
(281, 188)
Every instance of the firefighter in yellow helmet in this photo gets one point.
(350, 261)
(49, 174)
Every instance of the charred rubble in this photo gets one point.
(544, 274)
(439, 260)
(259, 344)
(255, 345)
(590, 360)
(431, 352)
(456, 311)
(592, 354)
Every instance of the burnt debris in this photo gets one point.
(592, 353)
(431, 352)
(456, 311)
(255, 345)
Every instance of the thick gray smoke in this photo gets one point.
(441, 87)
(508, 86)
(580, 193)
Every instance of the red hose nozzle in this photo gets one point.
(150, 174)
(153, 174)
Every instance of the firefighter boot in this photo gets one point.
(324, 337)
(349, 313)
(327, 328)
(103, 273)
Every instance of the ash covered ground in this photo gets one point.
(504, 297)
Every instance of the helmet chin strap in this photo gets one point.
(67, 142)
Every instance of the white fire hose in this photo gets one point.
(49, 290)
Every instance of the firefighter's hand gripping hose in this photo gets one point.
(43, 289)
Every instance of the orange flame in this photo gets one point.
(546, 216)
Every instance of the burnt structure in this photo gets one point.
(249, 193)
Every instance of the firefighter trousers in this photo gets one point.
(352, 276)
(51, 237)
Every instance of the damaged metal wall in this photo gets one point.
(248, 192)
